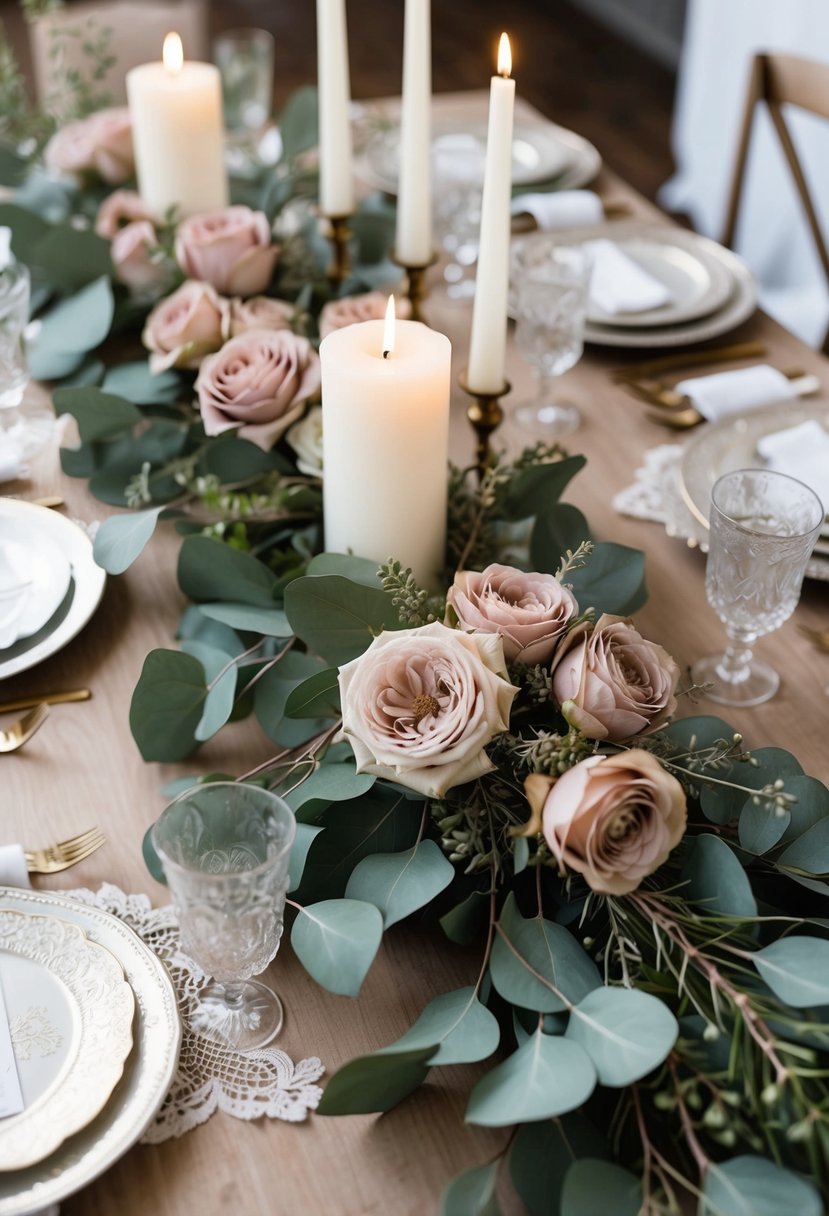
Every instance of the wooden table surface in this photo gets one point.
(83, 767)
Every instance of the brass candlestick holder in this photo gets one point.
(486, 415)
(339, 234)
(416, 291)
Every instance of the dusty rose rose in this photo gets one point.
(529, 611)
(118, 209)
(612, 683)
(614, 819)
(260, 312)
(262, 379)
(131, 251)
(348, 311)
(101, 143)
(420, 706)
(305, 437)
(230, 248)
(185, 327)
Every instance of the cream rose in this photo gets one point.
(612, 683)
(118, 209)
(131, 252)
(231, 249)
(260, 312)
(305, 437)
(348, 311)
(420, 706)
(101, 143)
(261, 379)
(529, 611)
(614, 819)
(185, 327)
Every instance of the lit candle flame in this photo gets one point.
(388, 329)
(504, 56)
(172, 53)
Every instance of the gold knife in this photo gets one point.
(50, 698)
(694, 358)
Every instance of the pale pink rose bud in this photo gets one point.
(336, 314)
(260, 312)
(614, 819)
(611, 682)
(421, 705)
(261, 379)
(131, 252)
(230, 248)
(185, 326)
(529, 611)
(117, 210)
(100, 143)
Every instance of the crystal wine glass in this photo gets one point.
(225, 849)
(763, 526)
(24, 427)
(245, 62)
(548, 295)
(459, 161)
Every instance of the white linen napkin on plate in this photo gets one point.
(560, 208)
(723, 393)
(12, 464)
(13, 872)
(619, 284)
(802, 452)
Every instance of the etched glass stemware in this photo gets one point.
(225, 849)
(763, 529)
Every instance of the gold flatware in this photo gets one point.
(679, 420)
(694, 358)
(21, 731)
(65, 853)
(46, 698)
(818, 637)
(51, 501)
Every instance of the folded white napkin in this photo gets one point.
(618, 284)
(13, 872)
(12, 464)
(802, 452)
(723, 393)
(560, 208)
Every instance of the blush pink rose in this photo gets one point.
(529, 611)
(118, 209)
(260, 312)
(369, 307)
(101, 144)
(261, 379)
(131, 251)
(612, 683)
(230, 249)
(421, 705)
(185, 326)
(614, 819)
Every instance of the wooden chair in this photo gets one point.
(780, 79)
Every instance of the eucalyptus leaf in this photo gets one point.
(299, 122)
(796, 968)
(472, 1193)
(306, 834)
(209, 569)
(755, 1186)
(538, 486)
(723, 802)
(99, 415)
(525, 950)
(77, 323)
(194, 625)
(358, 569)
(121, 538)
(71, 258)
(463, 923)
(810, 851)
(375, 1083)
(138, 384)
(612, 581)
(558, 529)
(541, 1155)
(463, 1029)
(27, 230)
(151, 859)
(220, 674)
(316, 697)
(336, 941)
(400, 883)
(811, 805)
(275, 687)
(332, 783)
(272, 622)
(715, 879)
(337, 618)
(762, 827)
(626, 1032)
(13, 168)
(547, 1076)
(236, 460)
(167, 705)
(592, 1186)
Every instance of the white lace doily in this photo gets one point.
(655, 495)
(209, 1077)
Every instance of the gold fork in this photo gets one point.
(65, 853)
(21, 731)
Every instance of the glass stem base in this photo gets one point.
(239, 1015)
(736, 677)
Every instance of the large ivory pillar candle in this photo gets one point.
(336, 182)
(413, 240)
(488, 342)
(385, 438)
(176, 111)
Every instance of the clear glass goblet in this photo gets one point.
(245, 61)
(548, 296)
(225, 849)
(25, 427)
(763, 527)
(459, 162)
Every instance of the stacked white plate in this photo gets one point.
(96, 1034)
(49, 583)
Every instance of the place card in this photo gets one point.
(11, 1095)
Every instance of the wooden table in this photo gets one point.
(83, 768)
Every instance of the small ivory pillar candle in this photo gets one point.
(385, 439)
(336, 182)
(488, 342)
(413, 239)
(176, 111)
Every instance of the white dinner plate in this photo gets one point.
(34, 556)
(70, 1015)
(148, 1071)
(81, 597)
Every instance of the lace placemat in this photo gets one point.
(655, 495)
(209, 1077)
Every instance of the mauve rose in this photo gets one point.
(611, 682)
(305, 437)
(101, 143)
(351, 309)
(614, 819)
(131, 252)
(529, 611)
(262, 379)
(420, 706)
(260, 312)
(118, 209)
(230, 248)
(185, 327)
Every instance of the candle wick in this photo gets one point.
(386, 354)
